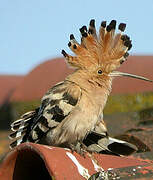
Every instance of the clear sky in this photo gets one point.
(32, 31)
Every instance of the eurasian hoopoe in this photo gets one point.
(71, 112)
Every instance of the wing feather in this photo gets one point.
(99, 141)
(57, 103)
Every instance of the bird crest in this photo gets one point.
(106, 49)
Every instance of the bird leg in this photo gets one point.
(79, 148)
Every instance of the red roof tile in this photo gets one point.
(7, 84)
(44, 76)
(139, 65)
(26, 160)
(40, 79)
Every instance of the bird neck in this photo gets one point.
(97, 88)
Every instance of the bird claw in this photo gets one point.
(101, 175)
(79, 148)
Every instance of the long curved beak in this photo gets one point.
(117, 73)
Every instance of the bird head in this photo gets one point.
(101, 54)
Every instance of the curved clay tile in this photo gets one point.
(40, 79)
(139, 65)
(8, 83)
(34, 161)
(47, 74)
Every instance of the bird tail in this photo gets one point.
(104, 144)
(21, 128)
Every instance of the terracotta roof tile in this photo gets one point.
(7, 84)
(28, 159)
(44, 76)
(40, 79)
(139, 65)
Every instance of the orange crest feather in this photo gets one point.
(107, 49)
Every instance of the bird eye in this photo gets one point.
(100, 71)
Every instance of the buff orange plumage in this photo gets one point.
(71, 112)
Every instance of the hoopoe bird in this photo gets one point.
(71, 112)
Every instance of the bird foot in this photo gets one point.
(79, 148)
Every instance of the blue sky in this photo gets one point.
(32, 31)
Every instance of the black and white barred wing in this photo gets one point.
(99, 141)
(21, 128)
(56, 104)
